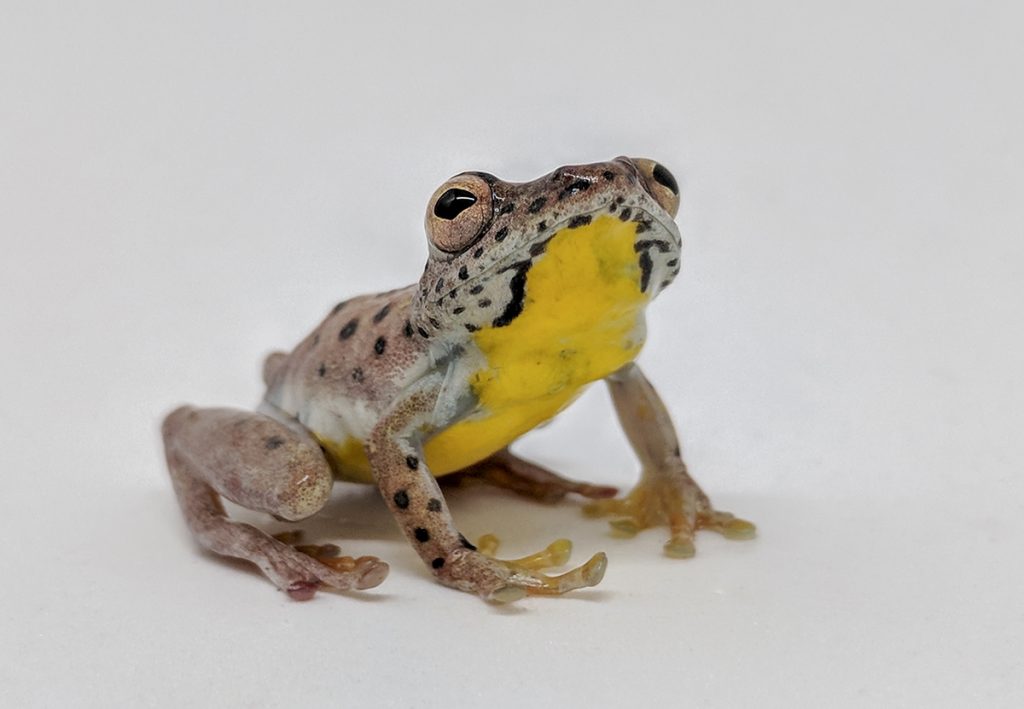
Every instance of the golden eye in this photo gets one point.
(660, 183)
(458, 213)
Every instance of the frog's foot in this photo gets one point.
(506, 470)
(369, 568)
(507, 580)
(672, 501)
(301, 570)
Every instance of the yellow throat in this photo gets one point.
(581, 321)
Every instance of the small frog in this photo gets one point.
(531, 292)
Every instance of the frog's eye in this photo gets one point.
(660, 183)
(452, 202)
(458, 212)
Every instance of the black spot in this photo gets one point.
(349, 329)
(665, 284)
(401, 499)
(542, 226)
(458, 311)
(437, 563)
(273, 442)
(612, 207)
(580, 220)
(662, 246)
(358, 375)
(477, 289)
(625, 214)
(517, 286)
(421, 534)
(466, 543)
(423, 333)
(645, 270)
(507, 208)
(439, 286)
(484, 302)
(536, 205)
(643, 225)
(479, 252)
(379, 345)
(574, 187)
(538, 248)
(471, 327)
(501, 234)
(434, 323)
(452, 292)
(665, 178)
(322, 369)
(463, 273)
(608, 175)
(434, 505)
(672, 262)
(407, 330)
(412, 462)
(337, 308)
(382, 313)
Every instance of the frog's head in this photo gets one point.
(611, 224)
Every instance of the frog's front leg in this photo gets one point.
(261, 464)
(414, 497)
(666, 494)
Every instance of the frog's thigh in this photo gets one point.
(251, 459)
(261, 464)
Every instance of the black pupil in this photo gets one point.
(453, 202)
(664, 177)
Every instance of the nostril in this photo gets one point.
(665, 178)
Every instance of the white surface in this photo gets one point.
(184, 189)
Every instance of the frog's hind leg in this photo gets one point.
(506, 470)
(260, 464)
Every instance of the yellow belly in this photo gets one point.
(581, 321)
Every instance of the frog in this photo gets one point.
(532, 291)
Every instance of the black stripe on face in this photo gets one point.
(517, 286)
(645, 270)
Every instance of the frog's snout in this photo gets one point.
(659, 182)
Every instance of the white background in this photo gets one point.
(185, 188)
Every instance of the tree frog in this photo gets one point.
(531, 292)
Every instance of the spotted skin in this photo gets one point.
(531, 292)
